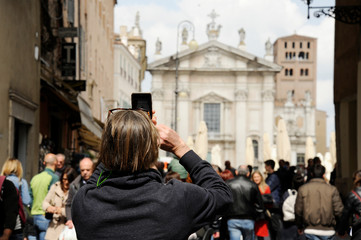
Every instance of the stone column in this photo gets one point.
(227, 118)
(197, 116)
(240, 122)
(241, 116)
(183, 115)
(158, 98)
(268, 105)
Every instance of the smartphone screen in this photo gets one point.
(142, 101)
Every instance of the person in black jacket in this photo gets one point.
(352, 207)
(246, 208)
(9, 210)
(126, 198)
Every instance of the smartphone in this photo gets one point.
(142, 101)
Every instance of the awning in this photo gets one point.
(87, 119)
(89, 138)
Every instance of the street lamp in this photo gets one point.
(186, 26)
(350, 14)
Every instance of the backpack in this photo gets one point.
(20, 201)
(288, 207)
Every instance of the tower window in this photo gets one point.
(308, 44)
(307, 55)
(301, 55)
(293, 44)
(300, 44)
(286, 55)
(291, 72)
(306, 72)
(301, 72)
(286, 72)
(285, 44)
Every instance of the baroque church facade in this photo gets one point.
(232, 90)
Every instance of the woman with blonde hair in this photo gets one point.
(260, 228)
(13, 171)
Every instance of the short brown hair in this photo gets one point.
(129, 142)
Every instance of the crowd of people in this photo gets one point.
(289, 203)
(45, 202)
(129, 194)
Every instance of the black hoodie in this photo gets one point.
(141, 206)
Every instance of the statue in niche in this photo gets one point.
(158, 46)
(269, 47)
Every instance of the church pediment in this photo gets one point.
(215, 56)
(212, 97)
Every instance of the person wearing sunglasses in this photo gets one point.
(126, 197)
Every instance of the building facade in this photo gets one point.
(97, 56)
(227, 87)
(57, 70)
(295, 98)
(298, 56)
(130, 63)
(127, 72)
(19, 84)
(347, 96)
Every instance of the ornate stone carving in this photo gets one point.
(212, 30)
(308, 99)
(184, 36)
(269, 48)
(158, 47)
(184, 93)
(241, 94)
(242, 36)
(157, 94)
(268, 95)
(212, 58)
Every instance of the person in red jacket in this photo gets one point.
(261, 229)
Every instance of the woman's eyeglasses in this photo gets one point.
(126, 109)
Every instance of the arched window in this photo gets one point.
(308, 44)
(293, 44)
(300, 44)
(294, 55)
(307, 55)
(286, 72)
(286, 55)
(255, 148)
(301, 55)
(291, 72)
(285, 44)
(301, 72)
(306, 72)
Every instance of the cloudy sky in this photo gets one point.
(261, 19)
